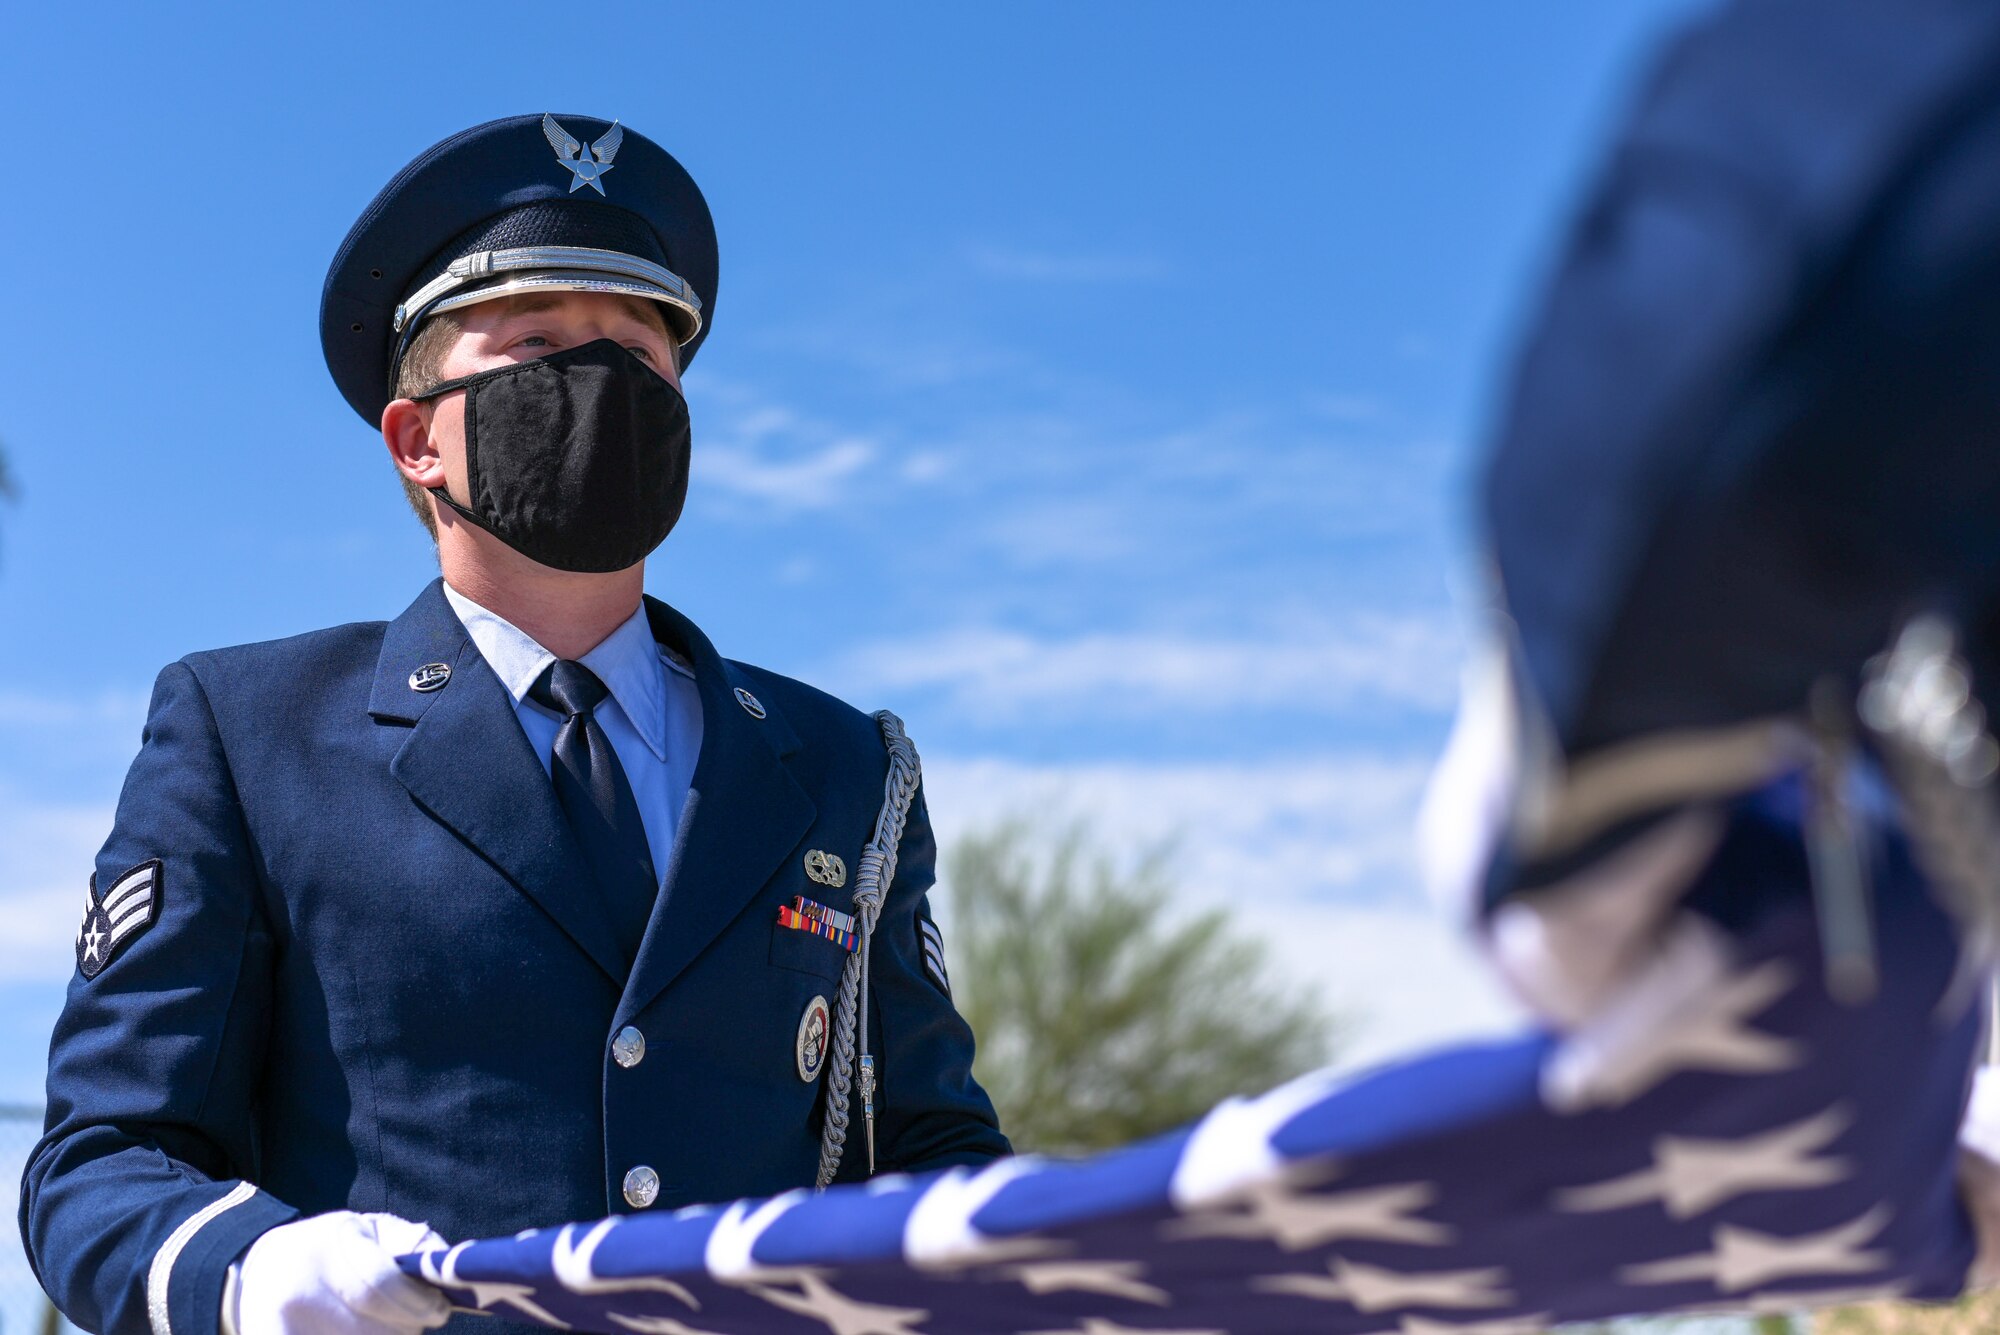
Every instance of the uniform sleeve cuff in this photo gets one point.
(184, 1285)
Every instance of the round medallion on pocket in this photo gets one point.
(815, 1033)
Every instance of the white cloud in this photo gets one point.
(1313, 857)
(1403, 977)
(812, 481)
(752, 448)
(1041, 266)
(1110, 488)
(926, 466)
(1358, 409)
(991, 672)
(110, 709)
(1324, 828)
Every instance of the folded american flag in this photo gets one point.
(1769, 1148)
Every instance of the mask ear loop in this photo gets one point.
(447, 386)
(429, 395)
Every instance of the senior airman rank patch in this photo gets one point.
(932, 942)
(129, 907)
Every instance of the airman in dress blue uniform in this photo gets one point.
(527, 905)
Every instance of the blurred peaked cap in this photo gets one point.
(1755, 424)
(553, 202)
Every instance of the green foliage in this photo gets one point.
(1975, 1314)
(1101, 1018)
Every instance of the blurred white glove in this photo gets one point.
(334, 1274)
(1610, 938)
(1979, 1175)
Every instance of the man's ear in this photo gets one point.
(406, 430)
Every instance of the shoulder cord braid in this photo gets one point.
(871, 882)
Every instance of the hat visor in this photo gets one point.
(683, 320)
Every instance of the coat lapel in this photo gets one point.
(745, 813)
(468, 763)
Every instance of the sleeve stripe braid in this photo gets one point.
(161, 1272)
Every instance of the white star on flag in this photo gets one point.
(1691, 1177)
(487, 1292)
(841, 1314)
(1230, 1148)
(939, 1234)
(1372, 1289)
(1746, 1259)
(1097, 1325)
(1115, 1279)
(1297, 1220)
(572, 1262)
(735, 1234)
(1708, 1030)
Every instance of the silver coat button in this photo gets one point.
(642, 1187)
(628, 1047)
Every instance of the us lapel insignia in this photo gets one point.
(430, 676)
(111, 919)
(826, 868)
(815, 1032)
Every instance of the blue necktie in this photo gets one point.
(597, 799)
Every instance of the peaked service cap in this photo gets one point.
(528, 203)
(1756, 425)
(1753, 432)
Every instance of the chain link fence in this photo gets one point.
(24, 1310)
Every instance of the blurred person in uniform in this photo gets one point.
(523, 907)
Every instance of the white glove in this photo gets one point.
(1979, 1175)
(334, 1274)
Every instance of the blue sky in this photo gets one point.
(1093, 384)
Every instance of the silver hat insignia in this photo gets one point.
(585, 169)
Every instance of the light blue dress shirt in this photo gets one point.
(653, 715)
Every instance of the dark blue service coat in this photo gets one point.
(377, 980)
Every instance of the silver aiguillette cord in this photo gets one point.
(1838, 863)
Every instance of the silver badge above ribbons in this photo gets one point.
(826, 868)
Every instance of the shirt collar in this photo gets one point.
(627, 662)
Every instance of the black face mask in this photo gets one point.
(577, 460)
